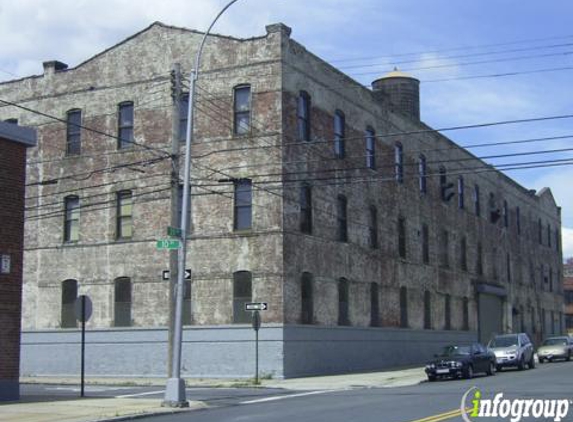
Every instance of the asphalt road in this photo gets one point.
(427, 402)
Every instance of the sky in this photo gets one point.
(436, 41)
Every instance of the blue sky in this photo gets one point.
(351, 33)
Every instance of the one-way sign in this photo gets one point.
(166, 274)
(256, 306)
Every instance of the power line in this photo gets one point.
(499, 75)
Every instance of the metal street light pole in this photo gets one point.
(175, 389)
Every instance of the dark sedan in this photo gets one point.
(461, 361)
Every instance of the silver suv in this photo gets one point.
(512, 350)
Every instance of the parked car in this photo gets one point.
(461, 361)
(512, 350)
(555, 348)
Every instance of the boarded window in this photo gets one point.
(343, 316)
(242, 293)
(122, 315)
(72, 219)
(242, 110)
(306, 316)
(69, 296)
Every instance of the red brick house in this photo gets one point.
(14, 140)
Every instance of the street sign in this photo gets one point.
(166, 274)
(168, 244)
(174, 232)
(256, 306)
(84, 314)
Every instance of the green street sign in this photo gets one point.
(174, 232)
(168, 244)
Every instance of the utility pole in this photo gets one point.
(173, 254)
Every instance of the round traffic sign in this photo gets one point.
(84, 302)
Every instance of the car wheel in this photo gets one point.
(541, 360)
(431, 378)
(469, 372)
(569, 357)
(531, 364)
(491, 369)
(521, 364)
(498, 368)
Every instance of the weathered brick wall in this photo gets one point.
(12, 179)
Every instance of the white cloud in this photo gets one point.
(567, 236)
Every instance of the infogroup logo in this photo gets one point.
(513, 410)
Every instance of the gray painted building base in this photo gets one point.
(229, 351)
(9, 390)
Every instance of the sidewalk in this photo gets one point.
(116, 409)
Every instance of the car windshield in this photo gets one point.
(555, 342)
(455, 351)
(507, 341)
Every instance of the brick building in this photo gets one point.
(14, 141)
(568, 293)
(355, 221)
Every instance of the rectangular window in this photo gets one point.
(122, 308)
(548, 235)
(464, 254)
(183, 117)
(374, 305)
(307, 312)
(125, 125)
(242, 293)
(243, 215)
(448, 312)
(403, 307)
(402, 237)
(425, 244)
(398, 162)
(505, 214)
(72, 219)
(466, 314)
(370, 149)
(479, 259)
(539, 232)
(423, 174)
(343, 305)
(124, 228)
(342, 218)
(303, 117)
(73, 135)
(518, 220)
(461, 193)
(508, 267)
(339, 134)
(477, 204)
(444, 249)
(305, 209)
(242, 109)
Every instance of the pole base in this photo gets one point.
(175, 393)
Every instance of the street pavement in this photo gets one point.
(347, 400)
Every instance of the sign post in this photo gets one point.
(83, 312)
(255, 307)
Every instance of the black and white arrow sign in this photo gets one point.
(166, 274)
(256, 306)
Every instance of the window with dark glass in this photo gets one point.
(479, 259)
(242, 293)
(548, 235)
(427, 310)
(125, 125)
(423, 174)
(505, 214)
(305, 208)
(518, 220)
(242, 110)
(183, 116)
(494, 211)
(122, 300)
(540, 231)
(303, 116)
(398, 162)
(307, 305)
(403, 307)
(444, 249)
(477, 204)
(425, 244)
(69, 296)
(72, 219)
(343, 305)
(402, 237)
(374, 305)
(370, 148)
(508, 266)
(448, 312)
(243, 212)
(373, 228)
(339, 134)
(73, 132)
(446, 189)
(464, 254)
(465, 314)
(461, 193)
(342, 218)
(124, 229)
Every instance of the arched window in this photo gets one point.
(242, 110)
(342, 218)
(242, 293)
(425, 244)
(404, 307)
(402, 237)
(448, 312)
(122, 314)
(306, 293)
(373, 228)
(305, 199)
(427, 310)
(343, 306)
(303, 116)
(69, 296)
(464, 254)
(370, 148)
(374, 305)
(339, 134)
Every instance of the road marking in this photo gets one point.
(147, 393)
(442, 416)
(288, 396)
